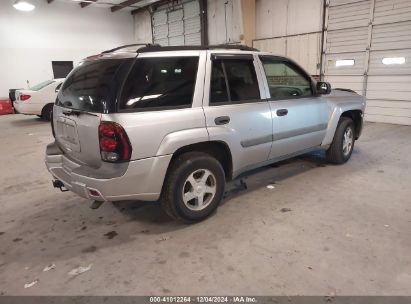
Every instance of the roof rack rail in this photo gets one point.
(126, 46)
(159, 48)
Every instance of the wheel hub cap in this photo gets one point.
(348, 141)
(199, 189)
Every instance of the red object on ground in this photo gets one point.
(6, 107)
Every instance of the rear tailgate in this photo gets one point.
(88, 91)
(77, 135)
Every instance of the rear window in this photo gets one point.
(91, 86)
(160, 83)
(41, 85)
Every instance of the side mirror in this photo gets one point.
(323, 87)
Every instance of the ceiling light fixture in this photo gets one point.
(23, 6)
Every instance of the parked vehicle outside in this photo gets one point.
(175, 123)
(39, 99)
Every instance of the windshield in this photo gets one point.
(41, 85)
(91, 86)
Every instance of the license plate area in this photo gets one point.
(66, 133)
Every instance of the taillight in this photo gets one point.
(24, 97)
(114, 143)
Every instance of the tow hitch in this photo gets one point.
(59, 184)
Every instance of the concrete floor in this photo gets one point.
(348, 231)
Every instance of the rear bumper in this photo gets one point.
(27, 108)
(142, 180)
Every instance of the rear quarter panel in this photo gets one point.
(161, 132)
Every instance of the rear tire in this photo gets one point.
(343, 143)
(193, 188)
(47, 111)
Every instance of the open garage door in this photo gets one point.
(368, 49)
(177, 24)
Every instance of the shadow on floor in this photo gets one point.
(24, 122)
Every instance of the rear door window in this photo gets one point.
(233, 81)
(160, 83)
(41, 85)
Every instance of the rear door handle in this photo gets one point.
(282, 112)
(222, 120)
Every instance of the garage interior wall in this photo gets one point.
(291, 28)
(142, 27)
(223, 24)
(368, 49)
(60, 31)
(224, 21)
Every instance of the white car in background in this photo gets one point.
(38, 100)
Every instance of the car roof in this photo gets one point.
(132, 50)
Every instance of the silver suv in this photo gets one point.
(175, 123)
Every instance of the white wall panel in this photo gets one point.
(276, 46)
(224, 21)
(61, 31)
(291, 28)
(287, 17)
(142, 27)
(304, 49)
(272, 18)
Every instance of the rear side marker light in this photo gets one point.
(114, 143)
(93, 192)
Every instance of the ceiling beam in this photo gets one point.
(86, 3)
(124, 4)
(153, 5)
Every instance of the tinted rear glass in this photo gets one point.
(91, 86)
(160, 83)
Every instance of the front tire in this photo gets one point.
(193, 188)
(46, 112)
(343, 143)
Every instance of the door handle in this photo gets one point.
(282, 112)
(222, 120)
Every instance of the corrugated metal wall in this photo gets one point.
(371, 33)
(177, 24)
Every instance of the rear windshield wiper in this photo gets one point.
(69, 112)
